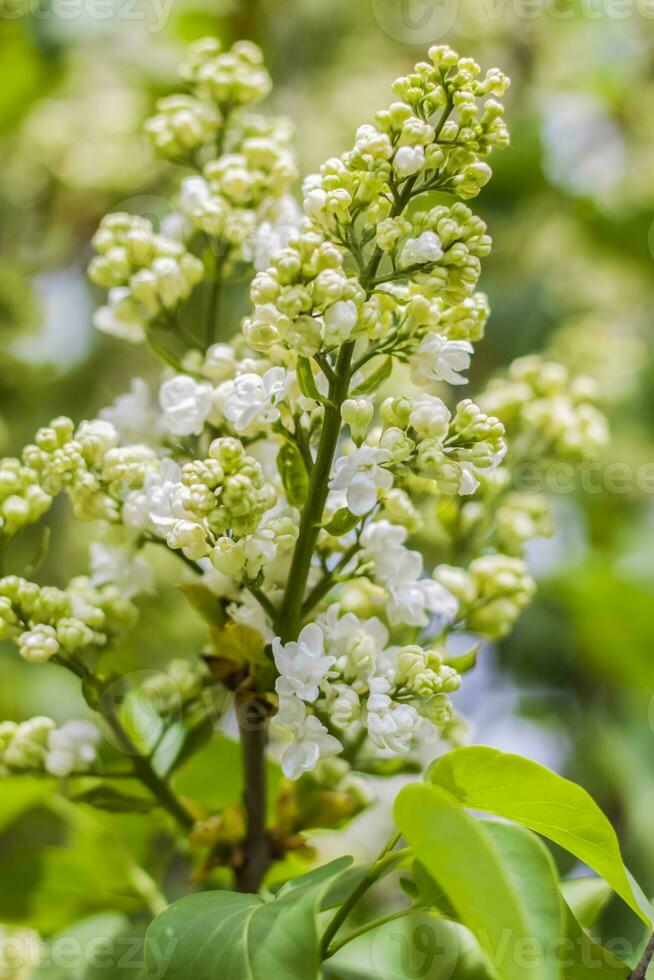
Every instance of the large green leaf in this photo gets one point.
(230, 935)
(584, 959)
(500, 880)
(586, 898)
(518, 789)
(421, 946)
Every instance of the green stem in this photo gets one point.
(387, 856)
(327, 581)
(375, 924)
(289, 618)
(144, 771)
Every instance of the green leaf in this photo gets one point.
(501, 880)
(464, 662)
(586, 897)
(518, 789)
(584, 959)
(226, 934)
(238, 643)
(108, 798)
(293, 473)
(21, 793)
(341, 523)
(205, 602)
(422, 946)
(305, 379)
(317, 876)
(375, 378)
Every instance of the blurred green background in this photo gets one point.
(571, 211)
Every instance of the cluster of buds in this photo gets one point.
(228, 78)
(435, 137)
(88, 464)
(38, 746)
(147, 275)
(491, 593)
(182, 127)
(45, 621)
(421, 434)
(470, 132)
(422, 673)
(305, 299)
(218, 499)
(546, 411)
(23, 501)
(244, 162)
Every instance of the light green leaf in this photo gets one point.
(586, 897)
(501, 881)
(306, 380)
(375, 378)
(584, 959)
(205, 602)
(293, 473)
(226, 934)
(518, 789)
(341, 523)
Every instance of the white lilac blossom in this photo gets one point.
(311, 740)
(301, 664)
(71, 748)
(438, 359)
(185, 404)
(361, 475)
(254, 400)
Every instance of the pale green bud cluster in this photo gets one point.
(422, 673)
(172, 688)
(147, 274)
(421, 433)
(22, 499)
(552, 411)
(229, 78)
(261, 165)
(443, 255)
(24, 746)
(305, 299)
(491, 593)
(45, 621)
(182, 127)
(222, 498)
(434, 137)
(471, 131)
(88, 465)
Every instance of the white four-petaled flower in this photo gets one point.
(361, 475)
(302, 664)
